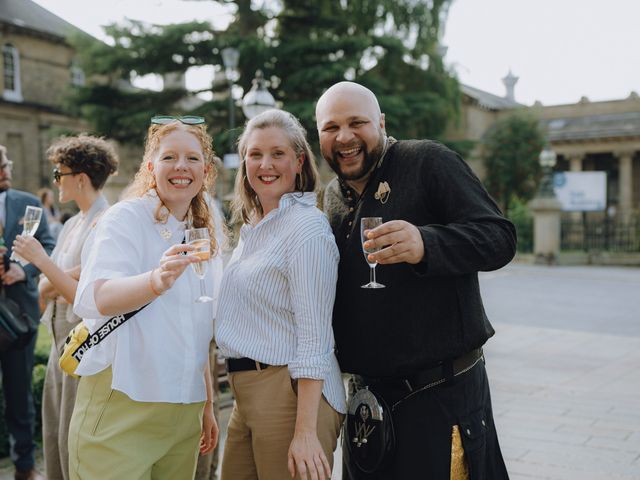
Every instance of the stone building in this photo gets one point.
(600, 136)
(479, 110)
(38, 69)
(587, 136)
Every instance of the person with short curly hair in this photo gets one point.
(82, 165)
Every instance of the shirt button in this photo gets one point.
(468, 432)
(351, 209)
(347, 235)
(350, 223)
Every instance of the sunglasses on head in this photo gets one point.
(186, 119)
(57, 174)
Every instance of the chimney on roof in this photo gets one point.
(510, 84)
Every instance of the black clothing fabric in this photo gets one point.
(17, 364)
(423, 425)
(428, 312)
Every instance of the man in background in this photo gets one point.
(20, 284)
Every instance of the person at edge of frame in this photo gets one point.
(20, 285)
(417, 342)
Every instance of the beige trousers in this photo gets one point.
(58, 398)
(112, 437)
(262, 424)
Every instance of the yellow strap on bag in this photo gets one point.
(80, 340)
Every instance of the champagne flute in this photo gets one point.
(199, 238)
(30, 224)
(369, 223)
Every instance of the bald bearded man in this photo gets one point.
(416, 344)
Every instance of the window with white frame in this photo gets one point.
(77, 74)
(11, 73)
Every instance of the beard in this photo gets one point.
(370, 158)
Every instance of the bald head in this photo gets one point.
(351, 130)
(365, 98)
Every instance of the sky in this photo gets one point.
(561, 50)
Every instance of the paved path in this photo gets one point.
(564, 368)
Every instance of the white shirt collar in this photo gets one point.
(172, 230)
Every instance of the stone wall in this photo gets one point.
(44, 68)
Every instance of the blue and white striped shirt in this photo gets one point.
(277, 293)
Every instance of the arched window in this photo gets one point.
(11, 73)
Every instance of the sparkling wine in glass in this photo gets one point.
(199, 238)
(30, 223)
(369, 223)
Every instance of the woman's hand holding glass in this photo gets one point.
(172, 264)
(29, 249)
(199, 239)
(30, 224)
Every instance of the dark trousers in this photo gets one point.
(423, 423)
(19, 415)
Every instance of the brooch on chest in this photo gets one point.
(383, 193)
(166, 233)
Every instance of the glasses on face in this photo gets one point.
(57, 174)
(186, 119)
(7, 166)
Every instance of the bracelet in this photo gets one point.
(155, 292)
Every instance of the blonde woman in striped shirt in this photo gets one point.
(274, 319)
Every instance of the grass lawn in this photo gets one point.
(43, 344)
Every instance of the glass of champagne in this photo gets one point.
(369, 223)
(30, 224)
(199, 238)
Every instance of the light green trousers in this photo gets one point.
(114, 437)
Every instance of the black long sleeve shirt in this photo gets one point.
(428, 312)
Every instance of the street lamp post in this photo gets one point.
(258, 99)
(546, 210)
(230, 57)
(547, 160)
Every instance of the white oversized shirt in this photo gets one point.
(160, 354)
(277, 294)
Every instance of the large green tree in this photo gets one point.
(510, 153)
(303, 46)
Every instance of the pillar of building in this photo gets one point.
(546, 229)
(625, 164)
(575, 162)
(575, 165)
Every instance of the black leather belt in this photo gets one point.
(244, 364)
(431, 376)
